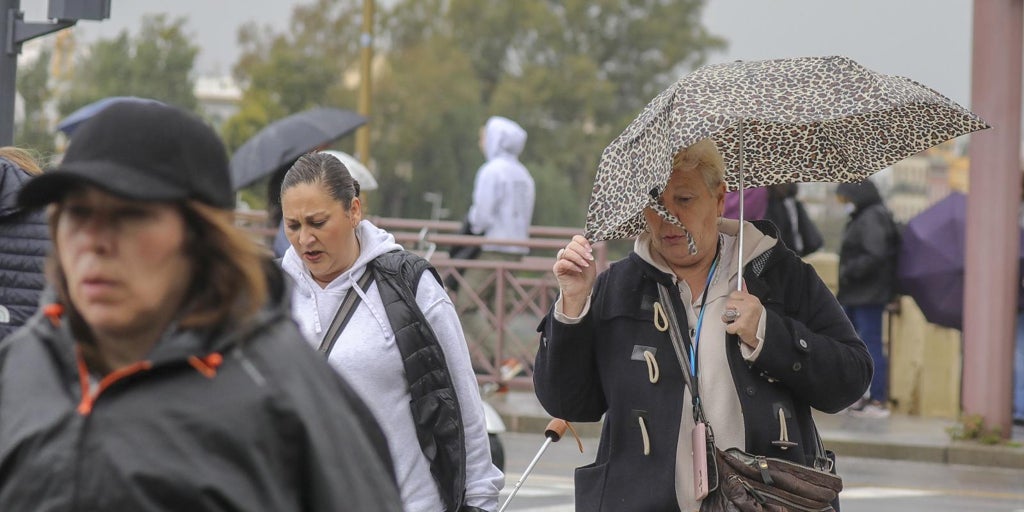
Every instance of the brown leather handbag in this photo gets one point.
(742, 482)
(753, 483)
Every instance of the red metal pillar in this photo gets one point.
(990, 287)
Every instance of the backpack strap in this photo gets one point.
(434, 402)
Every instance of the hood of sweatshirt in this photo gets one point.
(503, 137)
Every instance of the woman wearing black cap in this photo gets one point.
(161, 374)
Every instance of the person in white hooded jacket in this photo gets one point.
(503, 191)
(502, 209)
(331, 247)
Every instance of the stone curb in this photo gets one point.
(957, 452)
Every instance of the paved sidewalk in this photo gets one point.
(898, 437)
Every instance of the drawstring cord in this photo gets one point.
(207, 365)
(653, 372)
(53, 312)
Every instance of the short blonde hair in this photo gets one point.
(703, 156)
(22, 159)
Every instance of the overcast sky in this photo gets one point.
(926, 40)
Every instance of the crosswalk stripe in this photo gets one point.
(860, 493)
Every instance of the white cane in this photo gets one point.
(554, 431)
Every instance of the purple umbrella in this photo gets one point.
(931, 264)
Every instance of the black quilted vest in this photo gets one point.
(434, 403)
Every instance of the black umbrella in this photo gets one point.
(280, 143)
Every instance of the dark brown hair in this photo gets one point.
(228, 283)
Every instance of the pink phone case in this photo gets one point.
(700, 461)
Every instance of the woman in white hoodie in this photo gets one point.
(331, 248)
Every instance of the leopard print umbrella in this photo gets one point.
(808, 119)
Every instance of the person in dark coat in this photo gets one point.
(796, 230)
(164, 371)
(765, 356)
(867, 280)
(24, 242)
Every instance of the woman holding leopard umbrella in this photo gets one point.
(719, 308)
(604, 351)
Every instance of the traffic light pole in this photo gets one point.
(8, 70)
(13, 32)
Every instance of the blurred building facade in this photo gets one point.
(218, 98)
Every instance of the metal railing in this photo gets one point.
(508, 304)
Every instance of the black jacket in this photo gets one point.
(778, 213)
(868, 254)
(270, 428)
(811, 357)
(24, 242)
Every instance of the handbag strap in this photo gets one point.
(677, 344)
(348, 306)
(821, 460)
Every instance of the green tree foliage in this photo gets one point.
(33, 84)
(425, 128)
(286, 73)
(572, 72)
(157, 63)
(255, 110)
(282, 74)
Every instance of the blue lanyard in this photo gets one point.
(700, 318)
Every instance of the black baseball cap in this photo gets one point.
(143, 151)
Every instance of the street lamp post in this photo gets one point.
(365, 81)
(14, 31)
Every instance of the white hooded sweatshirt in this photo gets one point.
(367, 356)
(503, 192)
